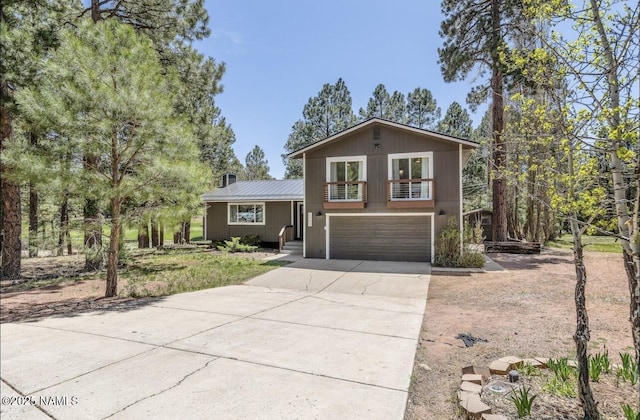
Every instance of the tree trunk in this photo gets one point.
(582, 335)
(500, 230)
(33, 221)
(160, 235)
(33, 209)
(112, 257)
(11, 227)
(155, 233)
(64, 226)
(143, 235)
(187, 232)
(627, 226)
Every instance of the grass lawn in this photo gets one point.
(591, 243)
(160, 273)
(150, 272)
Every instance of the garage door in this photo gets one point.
(387, 238)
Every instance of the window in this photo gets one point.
(346, 178)
(416, 169)
(246, 214)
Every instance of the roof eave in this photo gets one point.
(298, 153)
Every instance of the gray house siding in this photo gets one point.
(446, 169)
(276, 215)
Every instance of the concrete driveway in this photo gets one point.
(315, 339)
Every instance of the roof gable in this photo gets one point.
(373, 121)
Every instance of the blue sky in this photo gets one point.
(279, 53)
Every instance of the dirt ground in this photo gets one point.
(526, 312)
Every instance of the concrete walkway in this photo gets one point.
(315, 339)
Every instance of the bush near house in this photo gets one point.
(448, 247)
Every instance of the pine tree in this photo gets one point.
(28, 31)
(422, 109)
(474, 33)
(105, 91)
(256, 166)
(324, 115)
(456, 122)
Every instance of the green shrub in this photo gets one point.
(471, 259)
(251, 240)
(523, 401)
(629, 370)
(630, 413)
(473, 233)
(235, 245)
(448, 249)
(561, 369)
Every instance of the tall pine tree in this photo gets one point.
(324, 115)
(474, 34)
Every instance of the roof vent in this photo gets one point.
(228, 179)
(376, 133)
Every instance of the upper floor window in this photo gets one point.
(346, 178)
(246, 214)
(410, 176)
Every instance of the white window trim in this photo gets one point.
(409, 156)
(264, 214)
(361, 158)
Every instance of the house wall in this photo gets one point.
(276, 215)
(446, 167)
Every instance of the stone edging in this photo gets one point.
(474, 379)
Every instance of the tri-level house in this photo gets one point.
(376, 191)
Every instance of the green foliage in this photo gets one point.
(561, 369)
(628, 371)
(161, 273)
(324, 115)
(385, 106)
(422, 109)
(448, 249)
(473, 233)
(236, 245)
(527, 369)
(556, 386)
(523, 401)
(251, 240)
(456, 122)
(256, 166)
(591, 243)
(630, 413)
(599, 363)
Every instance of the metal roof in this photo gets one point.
(262, 190)
(440, 136)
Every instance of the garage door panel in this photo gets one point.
(393, 238)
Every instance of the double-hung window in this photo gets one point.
(346, 178)
(246, 214)
(410, 176)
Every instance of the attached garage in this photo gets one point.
(380, 236)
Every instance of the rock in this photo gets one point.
(515, 362)
(494, 417)
(471, 387)
(474, 407)
(423, 366)
(477, 370)
(498, 367)
(474, 378)
(533, 362)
